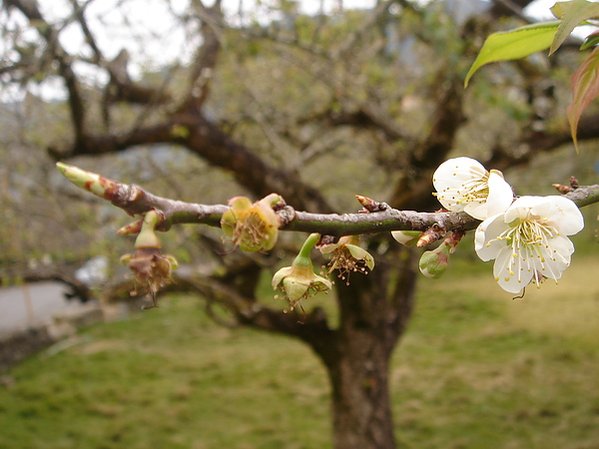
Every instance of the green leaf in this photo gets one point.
(590, 41)
(585, 88)
(514, 44)
(572, 14)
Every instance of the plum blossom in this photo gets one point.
(463, 184)
(529, 241)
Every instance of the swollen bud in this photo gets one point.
(92, 182)
(434, 263)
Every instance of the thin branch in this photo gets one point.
(136, 200)
(79, 13)
(30, 9)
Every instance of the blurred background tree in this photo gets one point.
(205, 101)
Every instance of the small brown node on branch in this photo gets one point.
(326, 240)
(371, 205)
(286, 215)
(431, 235)
(131, 228)
(562, 188)
(574, 182)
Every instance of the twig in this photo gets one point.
(136, 200)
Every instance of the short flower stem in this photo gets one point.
(303, 257)
(147, 237)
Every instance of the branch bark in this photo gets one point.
(136, 200)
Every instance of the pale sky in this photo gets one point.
(168, 41)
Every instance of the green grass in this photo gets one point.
(475, 370)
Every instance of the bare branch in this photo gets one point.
(205, 139)
(135, 200)
(30, 9)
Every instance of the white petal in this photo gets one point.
(512, 279)
(477, 209)
(406, 237)
(324, 281)
(520, 209)
(500, 196)
(328, 248)
(458, 169)
(450, 177)
(556, 257)
(561, 213)
(498, 200)
(280, 275)
(485, 243)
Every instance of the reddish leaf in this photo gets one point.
(585, 88)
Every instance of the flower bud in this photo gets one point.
(434, 263)
(92, 182)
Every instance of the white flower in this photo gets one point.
(463, 184)
(528, 241)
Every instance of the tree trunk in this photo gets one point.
(361, 403)
(374, 312)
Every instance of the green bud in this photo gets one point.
(92, 182)
(434, 263)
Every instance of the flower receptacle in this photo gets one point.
(252, 226)
(299, 281)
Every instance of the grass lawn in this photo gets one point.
(476, 370)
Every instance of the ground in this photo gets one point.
(476, 370)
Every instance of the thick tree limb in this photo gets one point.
(204, 138)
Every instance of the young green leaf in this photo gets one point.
(572, 14)
(585, 88)
(514, 44)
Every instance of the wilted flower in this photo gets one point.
(528, 241)
(253, 227)
(151, 269)
(299, 281)
(347, 257)
(463, 184)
